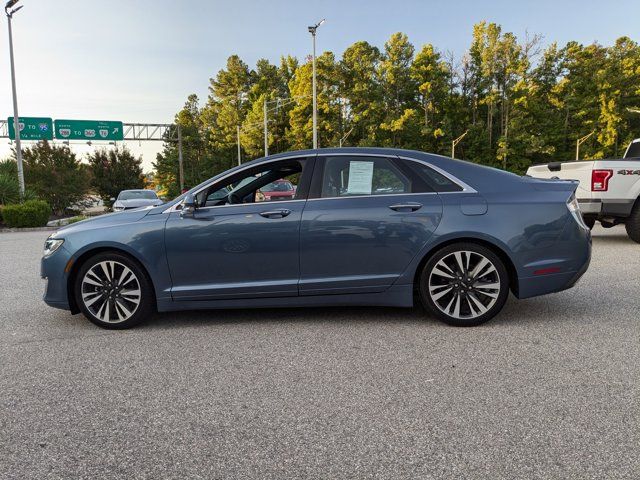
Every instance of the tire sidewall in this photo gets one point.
(464, 322)
(146, 292)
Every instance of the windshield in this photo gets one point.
(138, 195)
(280, 186)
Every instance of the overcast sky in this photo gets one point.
(137, 60)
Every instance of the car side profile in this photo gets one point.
(365, 226)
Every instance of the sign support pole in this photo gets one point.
(16, 121)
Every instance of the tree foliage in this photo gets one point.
(519, 102)
(113, 171)
(55, 175)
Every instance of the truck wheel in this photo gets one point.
(589, 222)
(633, 223)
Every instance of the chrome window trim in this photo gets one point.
(287, 157)
(199, 209)
(465, 187)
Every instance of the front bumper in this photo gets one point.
(52, 269)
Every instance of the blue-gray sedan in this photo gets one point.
(366, 226)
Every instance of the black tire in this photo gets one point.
(472, 291)
(589, 222)
(95, 289)
(632, 224)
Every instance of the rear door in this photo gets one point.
(365, 220)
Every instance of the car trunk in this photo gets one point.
(580, 171)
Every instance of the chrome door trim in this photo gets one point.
(465, 187)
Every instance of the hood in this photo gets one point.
(106, 220)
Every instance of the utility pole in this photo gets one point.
(456, 142)
(266, 132)
(580, 142)
(16, 120)
(312, 31)
(180, 164)
(239, 154)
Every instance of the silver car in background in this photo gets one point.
(129, 199)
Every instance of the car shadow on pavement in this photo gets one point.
(283, 316)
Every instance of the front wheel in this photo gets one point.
(113, 292)
(464, 284)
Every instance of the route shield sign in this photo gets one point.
(32, 128)
(88, 130)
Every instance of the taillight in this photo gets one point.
(600, 180)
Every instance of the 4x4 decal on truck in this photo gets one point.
(628, 172)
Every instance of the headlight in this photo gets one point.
(51, 245)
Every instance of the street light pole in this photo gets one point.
(239, 151)
(180, 160)
(266, 132)
(456, 142)
(312, 31)
(16, 121)
(580, 142)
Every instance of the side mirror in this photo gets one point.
(188, 205)
(112, 199)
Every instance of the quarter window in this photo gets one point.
(437, 181)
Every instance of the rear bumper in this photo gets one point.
(571, 256)
(589, 206)
(606, 207)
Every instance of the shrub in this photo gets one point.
(32, 213)
(9, 190)
(76, 219)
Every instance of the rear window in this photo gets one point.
(633, 151)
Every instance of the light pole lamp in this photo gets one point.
(455, 142)
(580, 141)
(10, 11)
(312, 31)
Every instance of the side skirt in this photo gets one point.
(395, 296)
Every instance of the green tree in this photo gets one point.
(113, 171)
(55, 175)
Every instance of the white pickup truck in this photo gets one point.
(609, 190)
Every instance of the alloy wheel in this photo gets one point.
(464, 284)
(111, 291)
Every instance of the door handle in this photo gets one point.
(406, 207)
(276, 213)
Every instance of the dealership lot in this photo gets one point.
(549, 389)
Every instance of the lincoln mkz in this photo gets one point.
(357, 226)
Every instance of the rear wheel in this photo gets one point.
(464, 284)
(633, 223)
(113, 292)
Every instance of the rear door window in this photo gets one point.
(346, 176)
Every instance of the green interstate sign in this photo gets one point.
(32, 128)
(88, 130)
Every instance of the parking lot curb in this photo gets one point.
(30, 229)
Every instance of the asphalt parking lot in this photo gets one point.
(549, 389)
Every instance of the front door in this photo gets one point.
(370, 217)
(239, 243)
